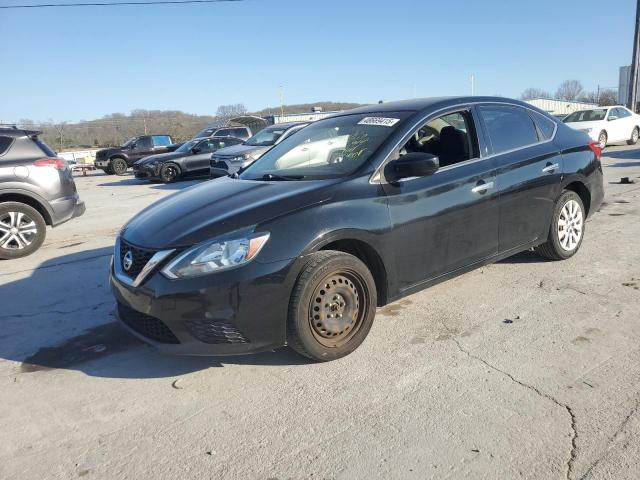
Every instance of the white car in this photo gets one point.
(607, 125)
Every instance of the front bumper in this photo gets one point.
(102, 163)
(238, 311)
(147, 171)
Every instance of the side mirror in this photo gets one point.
(612, 117)
(196, 150)
(414, 164)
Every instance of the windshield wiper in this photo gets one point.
(271, 176)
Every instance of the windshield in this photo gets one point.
(265, 137)
(186, 147)
(586, 116)
(129, 142)
(328, 148)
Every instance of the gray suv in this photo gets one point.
(36, 190)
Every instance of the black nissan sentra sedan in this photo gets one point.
(349, 214)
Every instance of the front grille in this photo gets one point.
(146, 325)
(219, 164)
(214, 331)
(140, 257)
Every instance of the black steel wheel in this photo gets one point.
(119, 166)
(170, 172)
(332, 307)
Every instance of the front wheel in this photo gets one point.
(169, 173)
(332, 306)
(22, 230)
(567, 228)
(634, 137)
(119, 166)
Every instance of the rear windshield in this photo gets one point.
(586, 116)
(45, 148)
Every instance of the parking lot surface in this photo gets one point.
(522, 369)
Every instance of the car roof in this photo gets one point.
(419, 104)
(218, 137)
(287, 125)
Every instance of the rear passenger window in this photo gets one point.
(509, 128)
(545, 125)
(161, 140)
(5, 143)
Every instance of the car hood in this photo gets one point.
(108, 151)
(218, 207)
(162, 157)
(584, 125)
(237, 150)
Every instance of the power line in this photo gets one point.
(114, 4)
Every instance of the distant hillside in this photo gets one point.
(307, 107)
(116, 128)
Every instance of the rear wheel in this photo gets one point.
(332, 306)
(119, 166)
(567, 228)
(634, 137)
(170, 172)
(22, 230)
(602, 139)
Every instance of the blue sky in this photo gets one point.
(82, 63)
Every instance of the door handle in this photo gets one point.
(483, 187)
(550, 168)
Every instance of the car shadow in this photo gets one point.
(72, 326)
(127, 182)
(527, 256)
(624, 155)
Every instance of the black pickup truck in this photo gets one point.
(117, 160)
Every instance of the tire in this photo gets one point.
(22, 230)
(119, 166)
(332, 306)
(602, 139)
(169, 173)
(558, 246)
(635, 134)
(108, 170)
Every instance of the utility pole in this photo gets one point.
(473, 80)
(282, 95)
(633, 74)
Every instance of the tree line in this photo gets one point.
(116, 128)
(573, 91)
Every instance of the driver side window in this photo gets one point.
(448, 137)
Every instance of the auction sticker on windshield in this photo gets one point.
(379, 121)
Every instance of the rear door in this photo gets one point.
(448, 220)
(529, 171)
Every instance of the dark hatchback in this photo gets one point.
(352, 212)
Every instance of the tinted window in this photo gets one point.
(5, 143)
(545, 125)
(161, 140)
(238, 132)
(143, 143)
(508, 128)
(224, 132)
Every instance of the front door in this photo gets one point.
(142, 148)
(448, 220)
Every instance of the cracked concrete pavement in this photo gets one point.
(521, 369)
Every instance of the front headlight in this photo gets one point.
(215, 256)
